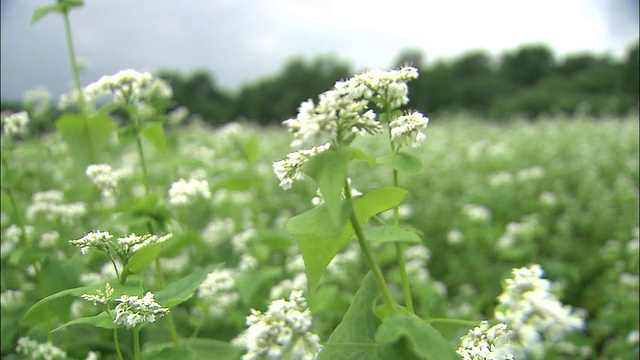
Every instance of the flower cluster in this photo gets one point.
(133, 310)
(35, 350)
(128, 86)
(485, 342)
(15, 124)
(183, 192)
(219, 287)
(124, 247)
(288, 169)
(282, 331)
(93, 240)
(102, 298)
(405, 130)
(344, 110)
(536, 317)
(128, 245)
(49, 205)
(104, 177)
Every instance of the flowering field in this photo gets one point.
(531, 224)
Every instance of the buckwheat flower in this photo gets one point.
(127, 87)
(239, 241)
(633, 338)
(532, 173)
(175, 264)
(548, 199)
(104, 177)
(455, 237)
(502, 178)
(283, 331)
(288, 169)
(484, 343)
(183, 192)
(218, 231)
(15, 124)
(286, 286)
(405, 130)
(93, 240)
(219, 290)
(132, 310)
(11, 299)
(128, 245)
(32, 349)
(92, 355)
(102, 298)
(536, 317)
(476, 213)
(49, 239)
(247, 263)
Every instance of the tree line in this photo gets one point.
(526, 81)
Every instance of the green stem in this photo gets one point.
(136, 343)
(404, 278)
(143, 163)
(366, 250)
(173, 332)
(19, 220)
(76, 81)
(116, 342)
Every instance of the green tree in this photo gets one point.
(528, 64)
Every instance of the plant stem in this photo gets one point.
(116, 342)
(76, 81)
(175, 338)
(404, 278)
(136, 343)
(366, 250)
(143, 163)
(19, 220)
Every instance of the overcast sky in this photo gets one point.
(241, 41)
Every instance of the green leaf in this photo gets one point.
(170, 353)
(406, 336)
(183, 289)
(277, 240)
(402, 162)
(42, 11)
(249, 284)
(207, 349)
(357, 154)
(86, 136)
(143, 257)
(329, 170)
(316, 222)
(102, 320)
(354, 337)
(154, 132)
(320, 243)
(382, 234)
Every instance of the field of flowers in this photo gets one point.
(560, 192)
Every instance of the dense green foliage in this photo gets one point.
(571, 182)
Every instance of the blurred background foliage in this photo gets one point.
(527, 81)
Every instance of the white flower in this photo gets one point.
(455, 236)
(183, 192)
(405, 130)
(93, 240)
(548, 199)
(537, 318)
(104, 177)
(218, 230)
(35, 350)
(283, 330)
(128, 245)
(133, 310)
(49, 205)
(484, 342)
(477, 213)
(128, 86)
(532, 173)
(288, 169)
(11, 299)
(219, 289)
(15, 124)
(102, 298)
